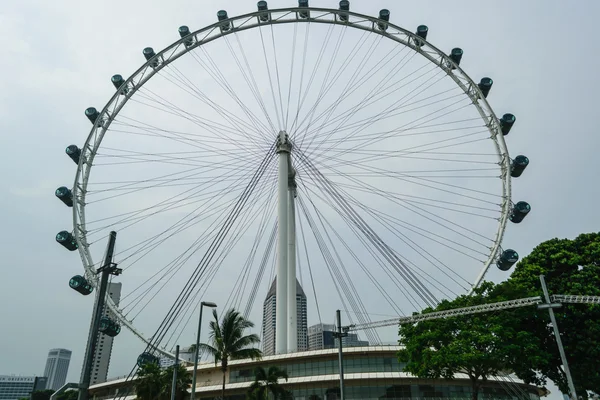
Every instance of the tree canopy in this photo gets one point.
(267, 382)
(478, 345)
(519, 340)
(155, 383)
(571, 267)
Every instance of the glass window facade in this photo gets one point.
(352, 364)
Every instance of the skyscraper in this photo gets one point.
(269, 311)
(321, 336)
(57, 367)
(105, 343)
(16, 387)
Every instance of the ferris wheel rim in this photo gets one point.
(251, 21)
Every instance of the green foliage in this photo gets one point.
(68, 395)
(154, 383)
(228, 341)
(267, 381)
(42, 394)
(570, 267)
(479, 345)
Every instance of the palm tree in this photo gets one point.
(149, 384)
(184, 381)
(266, 382)
(228, 341)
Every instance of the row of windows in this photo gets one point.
(354, 364)
(398, 392)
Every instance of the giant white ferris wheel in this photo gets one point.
(304, 143)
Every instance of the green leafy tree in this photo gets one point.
(267, 381)
(478, 345)
(228, 341)
(42, 394)
(154, 383)
(68, 395)
(570, 267)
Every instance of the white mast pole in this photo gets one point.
(281, 310)
(292, 338)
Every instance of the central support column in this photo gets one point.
(281, 310)
(292, 338)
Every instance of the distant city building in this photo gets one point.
(57, 367)
(185, 354)
(320, 336)
(105, 343)
(16, 387)
(269, 311)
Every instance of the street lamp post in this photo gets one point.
(196, 350)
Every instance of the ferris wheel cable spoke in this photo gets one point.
(242, 228)
(222, 81)
(172, 109)
(277, 74)
(211, 209)
(350, 85)
(364, 267)
(326, 88)
(336, 274)
(387, 112)
(402, 237)
(289, 97)
(312, 75)
(208, 256)
(325, 85)
(401, 203)
(304, 51)
(365, 100)
(309, 264)
(406, 178)
(252, 125)
(277, 114)
(233, 120)
(269, 249)
(407, 274)
(250, 81)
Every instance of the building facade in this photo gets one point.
(371, 373)
(105, 343)
(57, 367)
(268, 324)
(16, 387)
(320, 336)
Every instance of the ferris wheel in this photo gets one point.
(310, 143)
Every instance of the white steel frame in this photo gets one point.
(249, 21)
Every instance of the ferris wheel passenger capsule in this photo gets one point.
(80, 284)
(118, 82)
(518, 165)
(519, 212)
(67, 240)
(65, 195)
(422, 33)
(183, 32)
(455, 56)
(262, 6)
(222, 16)
(384, 15)
(507, 259)
(109, 327)
(148, 54)
(506, 123)
(303, 4)
(92, 114)
(74, 153)
(344, 6)
(485, 85)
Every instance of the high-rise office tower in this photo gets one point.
(269, 311)
(57, 367)
(321, 336)
(105, 343)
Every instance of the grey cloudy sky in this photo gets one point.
(58, 58)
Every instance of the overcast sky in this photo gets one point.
(58, 59)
